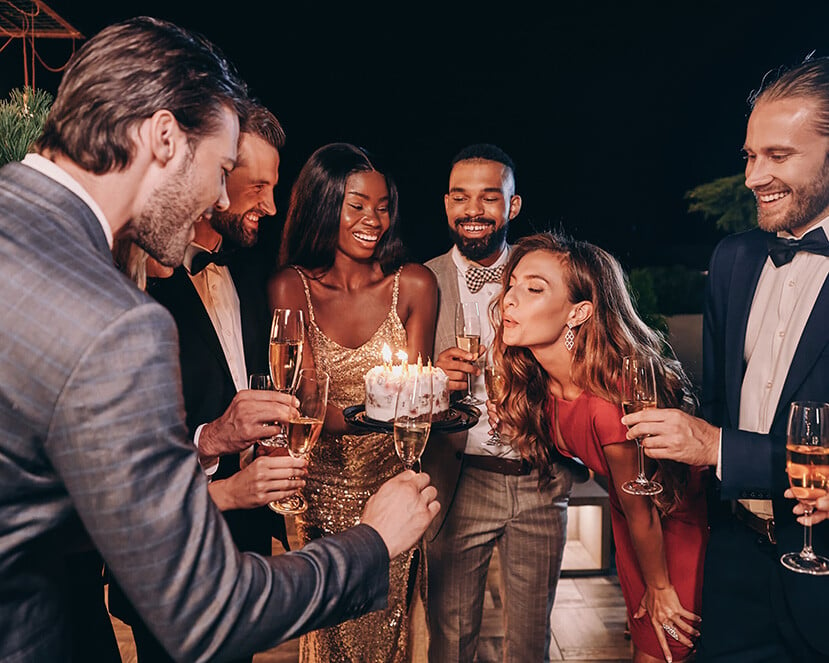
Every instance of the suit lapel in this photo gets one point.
(748, 265)
(184, 301)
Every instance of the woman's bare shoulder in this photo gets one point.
(285, 289)
(417, 277)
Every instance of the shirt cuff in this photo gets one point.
(208, 471)
(719, 457)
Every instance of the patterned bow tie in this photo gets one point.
(477, 276)
(204, 258)
(782, 251)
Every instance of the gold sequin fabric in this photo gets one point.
(343, 472)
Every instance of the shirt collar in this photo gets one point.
(823, 224)
(51, 170)
(192, 249)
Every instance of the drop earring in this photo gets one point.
(569, 337)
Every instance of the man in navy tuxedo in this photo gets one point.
(765, 346)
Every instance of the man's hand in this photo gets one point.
(457, 364)
(402, 510)
(266, 479)
(675, 435)
(820, 513)
(249, 417)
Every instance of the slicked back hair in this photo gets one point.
(809, 80)
(126, 73)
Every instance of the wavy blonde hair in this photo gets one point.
(613, 331)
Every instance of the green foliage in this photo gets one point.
(727, 200)
(666, 291)
(21, 120)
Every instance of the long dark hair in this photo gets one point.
(613, 331)
(309, 238)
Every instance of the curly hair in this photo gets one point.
(613, 331)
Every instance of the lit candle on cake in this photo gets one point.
(385, 381)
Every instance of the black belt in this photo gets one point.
(497, 465)
(763, 526)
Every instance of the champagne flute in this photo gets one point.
(468, 338)
(304, 430)
(285, 358)
(413, 418)
(495, 382)
(807, 463)
(639, 393)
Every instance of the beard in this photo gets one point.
(163, 228)
(808, 203)
(478, 248)
(232, 228)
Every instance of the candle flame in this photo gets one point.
(386, 352)
(403, 357)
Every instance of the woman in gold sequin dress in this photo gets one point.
(342, 264)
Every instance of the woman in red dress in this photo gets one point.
(564, 321)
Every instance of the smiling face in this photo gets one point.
(364, 218)
(536, 306)
(786, 164)
(250, 188)
(163, 227)
(479, 206)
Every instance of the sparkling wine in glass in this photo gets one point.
(285, 353)
(304, 430)
(413, 418)
(639, 393)
(468, 338)
(807, 463)
(495, 382)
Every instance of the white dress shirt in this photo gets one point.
(782, 304)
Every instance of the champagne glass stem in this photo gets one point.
(640, 456)
(807, 551)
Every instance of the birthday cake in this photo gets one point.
(384, 382)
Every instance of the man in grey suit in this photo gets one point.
(490, 494)
(141, 134)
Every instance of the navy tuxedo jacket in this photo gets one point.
(754, 465)
(93, 432)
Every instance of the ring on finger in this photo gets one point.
(670, 630)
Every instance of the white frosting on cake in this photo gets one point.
(383, 383)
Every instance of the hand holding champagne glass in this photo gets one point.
(639, 393)
(413, 419)
(285, 353)
(807, 463)
(304, 430)
(468, 338)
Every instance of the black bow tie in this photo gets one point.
(782, 251)
(204, 258)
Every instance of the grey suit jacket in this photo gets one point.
(93, 426)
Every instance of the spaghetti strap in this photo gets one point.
(307, 293)
(396, 289)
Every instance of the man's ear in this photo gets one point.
(164, 135)
(514, 206)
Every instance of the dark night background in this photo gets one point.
(611, 111)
